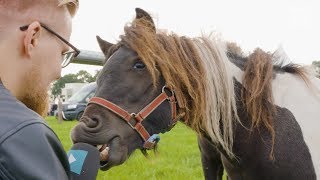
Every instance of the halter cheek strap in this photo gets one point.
(149, 142)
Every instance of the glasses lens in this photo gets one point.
(67, 57)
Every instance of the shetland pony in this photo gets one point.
(254, 119)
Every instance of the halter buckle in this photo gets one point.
(171, 91)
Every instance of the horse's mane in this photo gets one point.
(259, 70)
(279, 63)
(197, 70)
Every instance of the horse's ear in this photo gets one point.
(140, 13)
(104, 45)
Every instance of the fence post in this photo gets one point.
(59, 110)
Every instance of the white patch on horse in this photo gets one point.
(236, 72)
(291, 92)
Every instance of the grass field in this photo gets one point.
(178, 157)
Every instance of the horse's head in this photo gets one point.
(130, 105)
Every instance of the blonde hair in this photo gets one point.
(17, 11)
(24, 5)
(72, 5)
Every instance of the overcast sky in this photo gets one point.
(293, 25)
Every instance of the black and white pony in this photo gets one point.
(254, 119)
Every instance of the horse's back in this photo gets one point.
(303, 101)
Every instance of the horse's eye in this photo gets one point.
(139, 65)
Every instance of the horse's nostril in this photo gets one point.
(94, 122)
(90, 122)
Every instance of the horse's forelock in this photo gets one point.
(175, 58)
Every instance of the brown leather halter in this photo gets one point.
(143, 114)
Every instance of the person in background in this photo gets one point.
(34, 45)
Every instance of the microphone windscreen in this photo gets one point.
(84, 160)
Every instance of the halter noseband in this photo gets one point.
(149, 141)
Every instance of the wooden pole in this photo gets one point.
(59, 110)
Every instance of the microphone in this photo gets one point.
(84, 160)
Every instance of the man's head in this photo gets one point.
(30, 57)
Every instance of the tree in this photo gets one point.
(81, 77)
(59, 84)
(96, 75)
(84, 76)
(317, 65)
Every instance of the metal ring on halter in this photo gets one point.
(133, 115)
(163, 90)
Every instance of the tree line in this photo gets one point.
(317, 65)
(81, 77)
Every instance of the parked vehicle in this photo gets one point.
(73, 107)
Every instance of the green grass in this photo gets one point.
(178, 157)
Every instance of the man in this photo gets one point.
(34, 38)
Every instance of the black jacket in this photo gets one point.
(29, 149)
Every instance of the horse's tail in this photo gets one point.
(257, 92)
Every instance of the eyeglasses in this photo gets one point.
(67, 56)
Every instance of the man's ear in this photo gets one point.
(31, 38)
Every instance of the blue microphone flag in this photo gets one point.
(76, 159)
